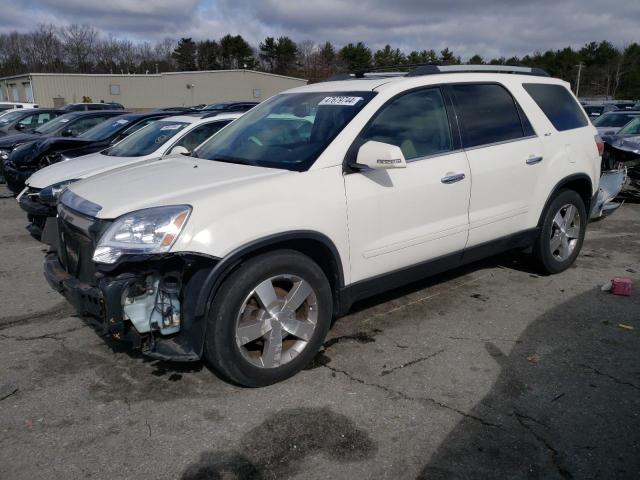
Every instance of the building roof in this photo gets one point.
(142, 75)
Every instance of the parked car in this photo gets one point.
(596, 110)
(16, 105)
(78, 107)
(48, 151)
(320, 196)
(26, 120)
(225, 107)
(177, 134)
(623, 150)
(610, 122)
(67, 125)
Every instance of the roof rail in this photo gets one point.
(435, 69)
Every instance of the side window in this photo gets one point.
(30, 122)
(488, 114)
(199, 134)
(85, 124)
(416, 122)
(558, 104)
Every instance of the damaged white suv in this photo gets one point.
(320, 196)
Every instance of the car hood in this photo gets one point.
(627, 143)
(79, 168)
(11, 140)
(173, 180)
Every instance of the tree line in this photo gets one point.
(604, 69)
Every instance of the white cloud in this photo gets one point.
(490, 27)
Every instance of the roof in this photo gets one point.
(200, 119)
(143, 75)
(382, 82)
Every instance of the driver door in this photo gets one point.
(402, 217)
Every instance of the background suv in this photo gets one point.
(321, 196)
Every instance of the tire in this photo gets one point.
(559, 243)
(256, 306)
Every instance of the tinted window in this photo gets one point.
(287, 131)
(84, 124)
(631, 128)
(614, 119)
(55, 125)
(558, 104)
(146, 140)
(488, 114)
(106, 129)
(198, 135)
(415, 122)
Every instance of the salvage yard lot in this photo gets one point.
(489, 371)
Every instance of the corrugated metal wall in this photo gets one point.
(151, 91)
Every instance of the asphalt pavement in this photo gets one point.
(489, 371)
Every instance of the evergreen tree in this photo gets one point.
(185, 55)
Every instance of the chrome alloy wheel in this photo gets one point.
(276, 321)
(565, 232)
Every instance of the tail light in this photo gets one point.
(599, 144)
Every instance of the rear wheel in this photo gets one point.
(562, 233)
(269, 318)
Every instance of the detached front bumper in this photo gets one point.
(37, 212)
(16, 178)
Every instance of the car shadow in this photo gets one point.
(565, 404)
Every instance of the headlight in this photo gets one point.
(51, 193)
(153, 230)
(4, 154)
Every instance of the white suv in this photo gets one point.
(320, 196)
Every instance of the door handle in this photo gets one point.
(452, 178)
(534, 160)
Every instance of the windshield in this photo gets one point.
(288, 131)
(10, 117)
(53, 125)
(631, 128)
(104, 130)
(613, 119)
(146, 140)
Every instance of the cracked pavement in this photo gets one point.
(490, 371)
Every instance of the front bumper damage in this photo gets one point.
(16, 177)
(146, 301)
(37, 211)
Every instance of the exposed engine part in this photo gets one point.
(154, 305)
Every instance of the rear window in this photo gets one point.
(488, 113)
(558, 104)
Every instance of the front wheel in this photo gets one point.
(269, 318)
(562, 232)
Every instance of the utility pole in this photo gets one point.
(578, 80)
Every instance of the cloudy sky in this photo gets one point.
(489, 27)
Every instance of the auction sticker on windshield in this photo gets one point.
(171, 127)
(340, 101)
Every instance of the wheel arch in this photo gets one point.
(578, 182)
(315, 245)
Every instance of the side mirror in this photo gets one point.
(179, 149)
(67, 133)
(19, 127)
(378, 155)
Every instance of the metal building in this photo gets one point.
(145, 91)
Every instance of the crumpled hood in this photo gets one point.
(11, 140)
(627, 143)
(80, 167)
(173, 180)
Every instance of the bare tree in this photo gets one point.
(79, 43)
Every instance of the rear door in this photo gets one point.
(505, 157)
(402, 217)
